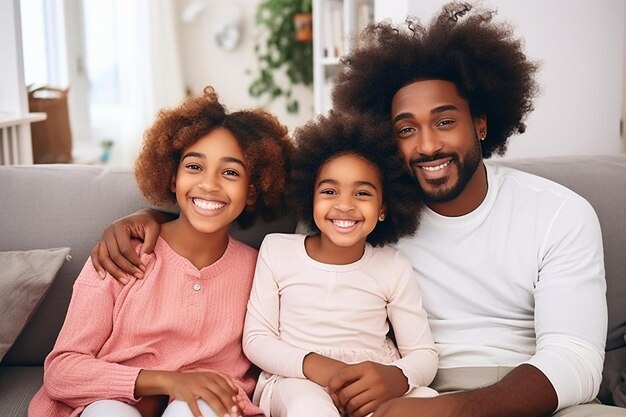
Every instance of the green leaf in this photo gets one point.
(278, 50)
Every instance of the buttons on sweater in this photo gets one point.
(196, 287)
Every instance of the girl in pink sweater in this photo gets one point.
(175, 336)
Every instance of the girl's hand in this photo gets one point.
(362, 387)
(320, 369)
(216, 389)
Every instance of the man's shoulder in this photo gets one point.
(524, 184)
(531, 193)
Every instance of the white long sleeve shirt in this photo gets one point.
(518, 280)
(298, 305)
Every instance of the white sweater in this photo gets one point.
(298, 305)
(518, 280)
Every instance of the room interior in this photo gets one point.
(112, 65)
(164, 49)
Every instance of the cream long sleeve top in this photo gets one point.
(177, 318)
(518, 280)
(298, 305)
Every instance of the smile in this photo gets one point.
(436, 168)
(344, 224)
(207, 205)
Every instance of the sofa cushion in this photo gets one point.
(26, 278)
(18, 384)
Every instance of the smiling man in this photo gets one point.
(504, 259)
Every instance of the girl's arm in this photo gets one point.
(262, 343)
(72, 374)
(320, 369)
(409, 320)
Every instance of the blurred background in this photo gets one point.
(102, 69)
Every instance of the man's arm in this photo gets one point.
(115, 254)
(524, 392)
(567, 366)
(570, 339)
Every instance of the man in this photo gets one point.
(504, 259)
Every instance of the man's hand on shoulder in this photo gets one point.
(114, 253)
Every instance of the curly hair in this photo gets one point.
(263, 141)
(462, 45)
(335, 134)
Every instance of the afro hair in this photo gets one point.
(335, 134)
(462, 45)
(263, 140)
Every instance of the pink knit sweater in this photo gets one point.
(177, 318)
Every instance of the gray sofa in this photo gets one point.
(49, 206)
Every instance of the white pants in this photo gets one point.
(296, 397)
(112, 408)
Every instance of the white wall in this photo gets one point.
(205, 63)
(581, 45)
(13, 99)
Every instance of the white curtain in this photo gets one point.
(150, 71)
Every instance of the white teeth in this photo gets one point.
(437, 168)
(208, 205)
(344, 223)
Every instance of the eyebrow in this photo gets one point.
(436, 110)
(335, 182)
(203, 156)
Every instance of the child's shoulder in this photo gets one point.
(281, 240)
(385, 250)
(242, 249)
(388, 254)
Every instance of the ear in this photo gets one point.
(382, 214)
(252, 196)
(173, 184)
(480, 126)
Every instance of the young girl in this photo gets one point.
(177, 333)
(321, 304)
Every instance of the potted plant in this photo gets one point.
(279, 50)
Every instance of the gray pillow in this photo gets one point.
(25, 277)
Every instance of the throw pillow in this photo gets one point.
(25, 277)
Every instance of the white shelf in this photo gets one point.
(326, 61)
(335, 24)
(11, 120)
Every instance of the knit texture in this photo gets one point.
(177, 318)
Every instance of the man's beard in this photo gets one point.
(465, 170)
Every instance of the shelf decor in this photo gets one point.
(278, 50)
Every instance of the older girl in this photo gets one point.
(176, 334)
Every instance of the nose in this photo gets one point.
(427, 142)
(344, 203)
(210, 182)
